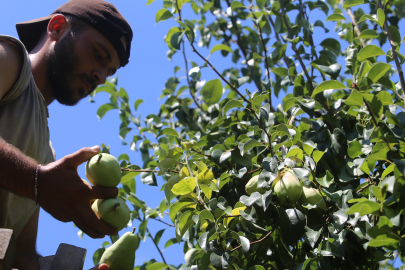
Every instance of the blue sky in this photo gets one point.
(72, 128)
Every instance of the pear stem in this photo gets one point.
(99, 157)
(116, 205)
(133, 230)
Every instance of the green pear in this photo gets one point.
(121, 254)
(312, 196)
(114, 212)
(288, 189)
(103, 170)
(251, 186)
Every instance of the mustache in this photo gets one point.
(91, 82)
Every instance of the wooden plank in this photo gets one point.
(45, 262)
(5, 237)
(6, 244)
(69, 257)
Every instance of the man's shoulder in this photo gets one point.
(11, 62)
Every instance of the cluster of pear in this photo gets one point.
(289, 191)
(105, 171)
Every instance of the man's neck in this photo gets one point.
(39, 71)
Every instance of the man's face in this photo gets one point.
(78, 63)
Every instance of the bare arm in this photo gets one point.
(61, 192)
(11, 62)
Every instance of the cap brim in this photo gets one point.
(30, 32)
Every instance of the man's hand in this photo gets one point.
(100, 267)
(63, 194)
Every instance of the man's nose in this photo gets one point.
(99, 76)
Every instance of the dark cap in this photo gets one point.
(99, 14)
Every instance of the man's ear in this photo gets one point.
(57, 26)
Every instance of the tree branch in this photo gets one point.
(297, 55)
(153, 240)
(349, 11)
(171, 225)
(258, 241)
(394, 54)
(188, 79)
(142, 170)
(219, 74)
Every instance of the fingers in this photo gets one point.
(96, 226)
(82, 155)
(103, 267)
(103, 192)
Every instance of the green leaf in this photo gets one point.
(221, 47)
(129, 176)
(171, 242)
(157, 266)
(261, 3)
(257, 267)
(352, 3)
(331, 44)
(328, 85)
(354, 149)
(335, 17)
(103, 109)
(212, 91)
(149, 2)
(185, 186)
(176, 40)
(396, 36)
(377, 71)
(317, 155)
(234, 103)
(162, 15)
(249, 145)
(137, 103)
(368, 33)
(205, 214)
(245, 243)
(280, 71)
(364, 208)
(370, 51)
(327, 180)
(177, 206)
(236, 4)
(168, 131)
(97, 255)
(381, 17)
(355, 99)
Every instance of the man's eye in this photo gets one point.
(98, 56)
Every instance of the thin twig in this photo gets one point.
(356, 27)
(265, 52)
(311, 41)
(153, 240)
(201, 153)
(171, 225)
(394, 54)
(188, 79)
(258, 169)
(376, 124)
(142, 170)
(258, 241)
(363, 188)
(286, 60)
(219, 74)
(297, 55)
(243, 50)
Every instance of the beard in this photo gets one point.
(62, 65)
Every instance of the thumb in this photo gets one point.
(82, 155)
(103, 192)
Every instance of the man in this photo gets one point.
(62, 57)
